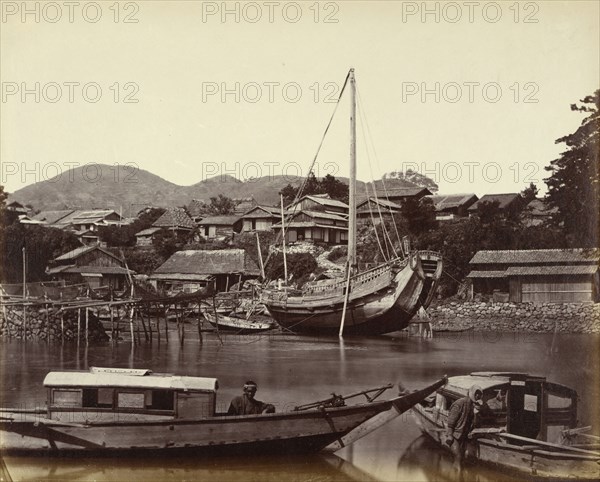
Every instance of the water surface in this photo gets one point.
(291, 370)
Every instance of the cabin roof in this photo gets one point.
(51, 217)
(174, 218)
(536, 256)
(203, 262)
(119, 377)
(225, 220)
(451, 201)
(503, 200)
(487, 380)
(148, 232)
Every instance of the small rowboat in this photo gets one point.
(530, 430)
(127, 412)
(239, 325)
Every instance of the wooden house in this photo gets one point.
(244, 204)
(52, 218)
(197, 209)
(315, 226)
(190, 270)
(318, 202)
(175, 220)
(537, 212)
(212, 227)
(146, 236)
(507, 203)
(399, 194)
(453, 206)
(17, 208)
(373, 210)
(538, 275)
(260, 218)
(92, 264)
(79, 220)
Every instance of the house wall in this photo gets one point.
(144, 241)
(97, 258)
(557, 289)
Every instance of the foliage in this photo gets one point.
(574, 182)
(415, 178)
(42, 244)
(529, 194)
(142, 261)
(247, 242)
(300, 266)
(221, 205)
(335, 188)
(124, 235)
(419, 214)
(166, 243)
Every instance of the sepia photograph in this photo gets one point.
(352, 240)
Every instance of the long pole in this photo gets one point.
(352, 185)
(347, 294)
(260, 260)
(285, 271)
(24, 293)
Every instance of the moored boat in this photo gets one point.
(111, 411)
(238, 325)
(523, 425)
(379, 300)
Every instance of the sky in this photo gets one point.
(472, 94)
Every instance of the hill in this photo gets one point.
(129, 189)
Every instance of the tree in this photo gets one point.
(221, 205)
(419, 214)
(574, 182)
(289, 194)
(335, 188)
(415, 178)
(41, 243)
(529, 194)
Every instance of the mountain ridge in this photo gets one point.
(131, 189)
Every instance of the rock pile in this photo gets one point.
(45, 324)
(527, 317)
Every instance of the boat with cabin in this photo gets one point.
(381, 299)
(526, 424)
(237, 324)
(116, 412)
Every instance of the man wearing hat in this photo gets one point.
(247, 404)
(460, 423)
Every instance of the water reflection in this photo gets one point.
(293, 370)
(325, 468)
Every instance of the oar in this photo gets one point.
(549, 444)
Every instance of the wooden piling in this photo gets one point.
(157, 321)
(87, 325)
(166, 324)
(200, 340)
(131, 325)
(78, 324)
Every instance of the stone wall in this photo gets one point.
(526, 317)
(45, 324)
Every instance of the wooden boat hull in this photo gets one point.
(289, 432)
(237, 325)
(517, 458)
(385, 310)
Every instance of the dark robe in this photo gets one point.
(243, 405)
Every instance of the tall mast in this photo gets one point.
(352, 186)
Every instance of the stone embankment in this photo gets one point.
(525, 317)
(48, 324)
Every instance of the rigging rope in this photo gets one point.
(386, 236)
(364, 115)
(312, 164)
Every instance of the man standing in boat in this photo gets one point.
(246, 404)
(460, 422)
